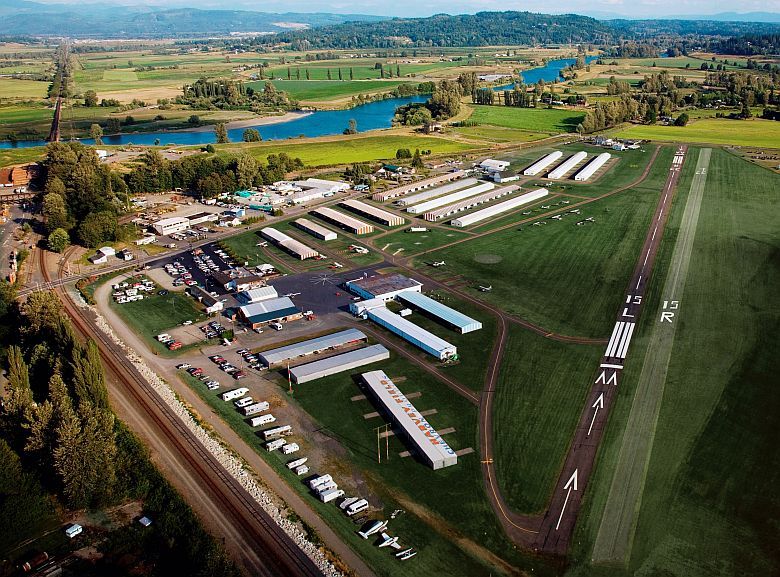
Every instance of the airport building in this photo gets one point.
(409, 331)
(338, 364)
(542, 163)
(314, 229)
(450, 198)
(416, 429)
(314, 346)
(591, 168)
(383, 286)
(561, 170)
(434, 192)
(272, 310)
(446, 315)
(501, 207)
(489, 165)
(294, 247)
(419, 185)
(257, 295)
(374, 213)
(342, 220)
(469, 203)
(171, 225)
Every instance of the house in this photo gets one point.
(248, 282)
(489, 165)
(225, 280)
(171, 225)
(102, 254)
(212, 305)
(226, 222)
(432, 127)
(273, 310)
(125, 255)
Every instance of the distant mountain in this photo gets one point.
(22, 17)
(481, 29)
(773, 17)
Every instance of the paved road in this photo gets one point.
(558, 524)
(613, 541)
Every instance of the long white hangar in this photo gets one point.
(308, 347)
(338, 364)
(416, 429)
(501, 207)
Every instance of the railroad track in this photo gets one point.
(280, 554)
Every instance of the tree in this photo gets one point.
(252, 135)
(88, 380)
(417, 161)
(681, 120)
(403, 153)
(54, 210)
(58, 240)
(194, 120)
(90, 99)
(96, 133)
(97, 228)
(19, 392)
(113, 126)
(246, 170)
(220, 130)
(745, 113)
(352, 127)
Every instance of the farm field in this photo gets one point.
(499, 134)
(755, 132)
(362, 69)
(335, 151)
(545, 273)
(9, 156)
(704, 509)
(13, 89)
(319, 90)
(549, 120)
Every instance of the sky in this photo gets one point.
(598, 8)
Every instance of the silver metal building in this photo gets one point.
(416, 429)
(342, 220)
(372, 212)
(338, 364)
(442, 312)
(311, 346)
(314, 229)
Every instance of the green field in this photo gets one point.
(17, 89)
(548, 120)
(414, 242)
(9, 156)
(499, 134)
(755, 132)
(540, 393)
(546, 273)
(348, 150)
(709, 503)
(330, 89)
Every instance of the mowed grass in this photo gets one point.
(754, 132)
(499, 134)
(10, 156)
(566, 278)
(330, 89)
(414, 242)
(348, 150)
(710, 503)
(13, 88)
(120, 75)
(550, 120)
(541, 390)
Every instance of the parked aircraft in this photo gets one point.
(388, 541)
(486, 289)
(438, 263)
(374, 527)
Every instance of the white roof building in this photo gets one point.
(256, 295)
(171, 225)
(491, 165)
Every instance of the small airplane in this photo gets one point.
(486, 289)
(575, 211)
(408, 555)
(556, 217)
(262, 244)
(338, 265)
(527, 212)
(404, 552)
(538, 223)
(359, 249)
(290, 295)
(565, 201)
(374, 527)
(545, 207)
(438, 263)
(388, 541)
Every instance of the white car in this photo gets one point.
(186, 323)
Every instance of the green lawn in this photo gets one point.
(755, 132)
(549, 120)
(9, 156)
(500, 134)
(546, 273)
(120, 75)
(13, 88)
(414, 242)
(348, 150)
(709, 505)
(330, 89)
(541, 390)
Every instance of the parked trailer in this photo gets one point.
(262, 420)
(331, 495)
(256, 408)
(290, 449)
(542, 163)
(319, 481)
(275, 444)
(277, 432)
(297, 463)
(234, 394)
(356, 507)
(302, 470)
(327, 486)
(244, 402)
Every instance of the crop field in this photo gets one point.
(361, 69)
(545, 273)
(317, 90)
(541, 390)
(499, 134)
(755, 132)
(436, 551)
(9, 156)
(335, 151)
(705, 510)
(549, 120)
(11, 88)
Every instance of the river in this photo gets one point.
(371, 116)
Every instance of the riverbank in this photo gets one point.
(251, 122)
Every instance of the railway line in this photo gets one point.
(269, 551)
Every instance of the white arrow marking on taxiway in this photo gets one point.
(599, 404)
(570, 485)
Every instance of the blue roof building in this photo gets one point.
(442, 312)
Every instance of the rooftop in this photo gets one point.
(385, 283)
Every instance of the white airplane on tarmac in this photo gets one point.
(388, 541)
(438, 263)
